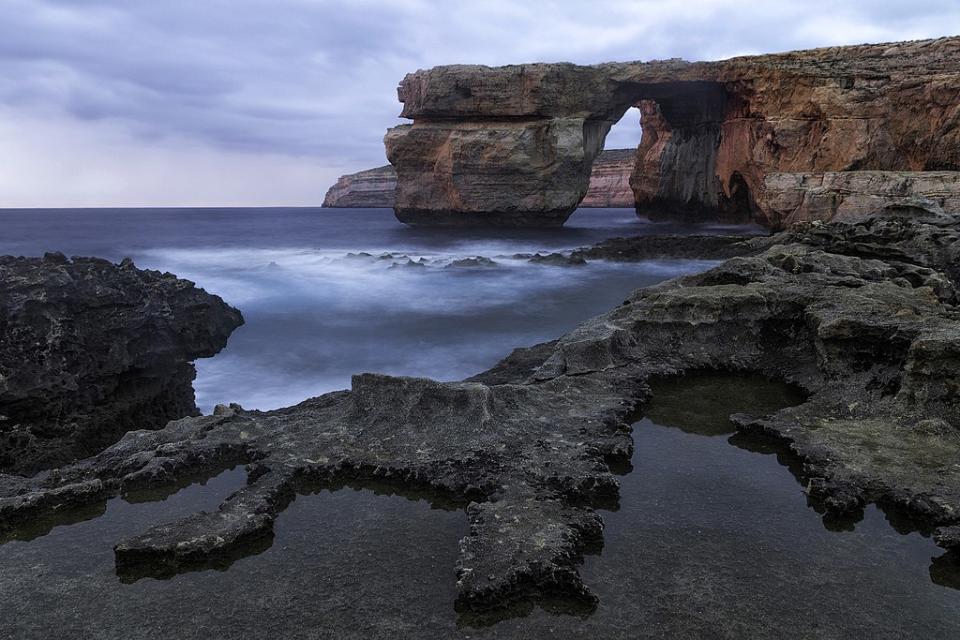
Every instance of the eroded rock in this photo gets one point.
(770, 137)
(874, 342)
(609, 184)
(91, 349)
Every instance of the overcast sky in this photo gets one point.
(265, 102)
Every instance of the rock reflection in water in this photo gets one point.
(708, 540)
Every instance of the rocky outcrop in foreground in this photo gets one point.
(609, 184)
(91, 349)
(739, 138)
(861, 315)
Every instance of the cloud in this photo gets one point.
(55, 161)
(311, 83)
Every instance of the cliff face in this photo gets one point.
(90, 350)
(610, 180)
(515, 145)
(609, 184)
(371, 188)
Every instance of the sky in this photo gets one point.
(266, 102)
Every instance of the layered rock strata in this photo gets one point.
(610, 180)
(863, 316)
(374, 188)
(515, 145)
(91, 349)
(853, 194)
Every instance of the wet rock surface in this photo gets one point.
(874, 341)
(90, 349)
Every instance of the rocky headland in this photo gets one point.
(783, 138)
(90, 350)
(374, 188)
(862, 315)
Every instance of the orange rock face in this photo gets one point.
(735, 138)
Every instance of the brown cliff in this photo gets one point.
(371, 188)
(374, 188)
(515, 145)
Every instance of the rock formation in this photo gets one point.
(610, 180)
(374, 188)
(861, 315)
(769, 137)
(91, 349)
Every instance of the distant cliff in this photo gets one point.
(609, 184)
(371, 188)
(610, 180)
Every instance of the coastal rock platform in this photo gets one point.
(861, 315)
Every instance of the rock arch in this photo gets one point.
(812, 134)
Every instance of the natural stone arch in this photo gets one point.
(804, 135)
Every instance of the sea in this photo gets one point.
(712, 536)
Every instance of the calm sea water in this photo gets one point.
(315, 314)
(712, 537)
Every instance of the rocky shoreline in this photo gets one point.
(90, 350)
(862, 315)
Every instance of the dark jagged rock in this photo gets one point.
(91, 349)
(875, 343)
(637, 248)
(557, 259)
(474, 262)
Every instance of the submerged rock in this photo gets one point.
(874, 341)
(91, 349)
(558, 259)
(474, 262)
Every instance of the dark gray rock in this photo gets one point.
(874, 342)
(91, 349)
(474, 262)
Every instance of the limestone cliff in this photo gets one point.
(371, 188)
(515, 145)
(610, 180)
(374, 188)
